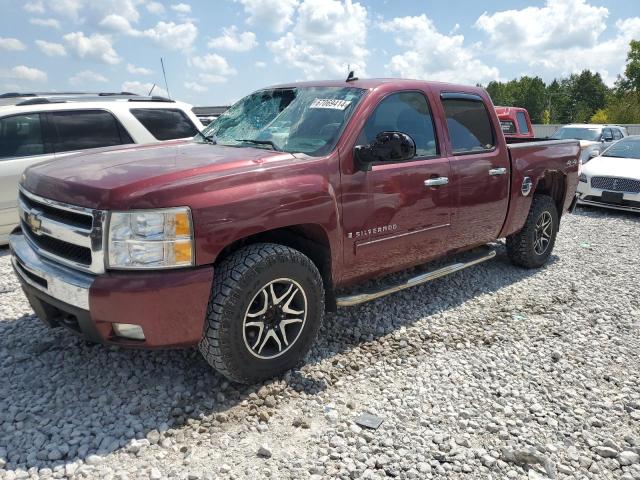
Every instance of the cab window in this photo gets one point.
(468, 122)
(405, 112)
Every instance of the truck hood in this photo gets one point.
(613, 167)
(124, 176)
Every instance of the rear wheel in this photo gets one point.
(264, 313)
(532, 246)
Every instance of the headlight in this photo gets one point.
(582, 178)
(148, 239)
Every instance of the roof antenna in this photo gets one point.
(149, 94)
(165, 78)
(351, 77)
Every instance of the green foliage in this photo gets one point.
(579, 98)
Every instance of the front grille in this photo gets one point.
(63, 216)
(60, 248)
(614, 184)
(64, 233)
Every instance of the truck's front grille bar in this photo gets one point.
(67, 234)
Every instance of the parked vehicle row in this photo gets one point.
(237, 241)
(40, 127)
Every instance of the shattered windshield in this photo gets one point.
(296, 120)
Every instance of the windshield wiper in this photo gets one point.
(260, 142)
(208, 138)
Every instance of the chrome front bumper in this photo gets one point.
(61, 283)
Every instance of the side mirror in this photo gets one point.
(387, 147)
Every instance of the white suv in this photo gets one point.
(39, 127)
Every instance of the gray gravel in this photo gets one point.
(495, 372)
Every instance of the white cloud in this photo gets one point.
(94, 47)
(328, 35)
(559, 24)
(260, 64)
(215, 68)
(173, 36)
(181, 8)
(155, 7)
(51, 49)
(22, 72)
(560, 38)
(432, 55)
(143, 88)
(34, 7)
(276, 15)
(45, 22)
(86, 78)
(11, 44)
(212, 62)
(87, 11)
(138, 70)
(117, 23)
(234, 41)
(196, 87)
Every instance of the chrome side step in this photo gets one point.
(357, 299)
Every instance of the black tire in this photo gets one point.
(239, 287)
(522, 247)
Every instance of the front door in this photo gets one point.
(397, 214)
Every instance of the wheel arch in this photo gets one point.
(310, 239)
(554, 184)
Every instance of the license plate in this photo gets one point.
(612, 197)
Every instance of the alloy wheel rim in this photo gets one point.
(543, 233)
(275, 318)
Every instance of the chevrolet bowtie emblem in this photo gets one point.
(34, 222)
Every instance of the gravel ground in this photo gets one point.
(494, 372)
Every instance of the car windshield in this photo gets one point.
(296, 120)
(577, 133)
(626, 148)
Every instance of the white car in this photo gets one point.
(612, 180)
(39, 127)
(594, 139)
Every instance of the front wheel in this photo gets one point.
(533, 244)
(264, 313)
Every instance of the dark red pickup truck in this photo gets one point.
(239, 240)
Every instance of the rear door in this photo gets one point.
(22, 144)
(392, 217)
(480, 170)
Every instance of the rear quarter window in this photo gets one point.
(469, 124)
(165, 124)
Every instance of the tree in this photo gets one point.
(632, 70)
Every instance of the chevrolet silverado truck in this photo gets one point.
(238, 240)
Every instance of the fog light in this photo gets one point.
(127, 330)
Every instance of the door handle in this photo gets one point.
(497, 171)
(435, 182)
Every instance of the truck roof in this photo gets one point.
(371, 83)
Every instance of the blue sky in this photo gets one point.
(219, 50)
